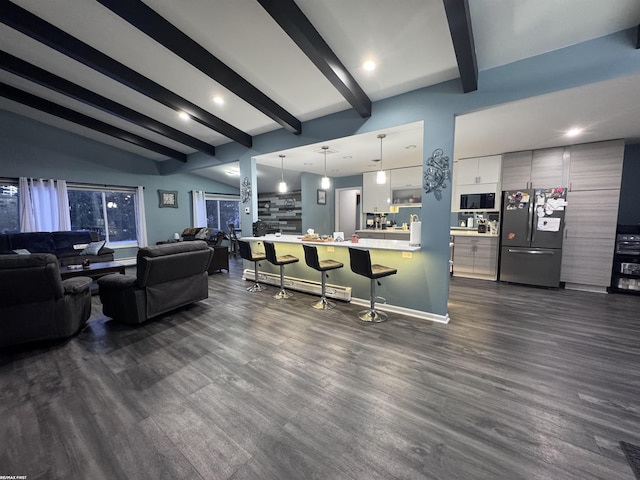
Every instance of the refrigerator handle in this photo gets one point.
(530, 229)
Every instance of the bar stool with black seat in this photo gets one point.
(281, 261)
(361, 265)
(311, 257)
(249, 255)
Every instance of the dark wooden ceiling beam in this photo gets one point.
(165, 33)
(462, 36)
(638, 37)
(38, 29)
(47, 106)
(37, 75)
(291, 19)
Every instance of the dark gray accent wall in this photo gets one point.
(629, 209)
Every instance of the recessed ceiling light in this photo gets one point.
(348, 157)
(308, 163)
(183, 115)
(410, 147)
(217, 99)
(369, 65)
(232, 173)
(574, 132)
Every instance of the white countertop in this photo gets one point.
(364, 243)
(472, 233)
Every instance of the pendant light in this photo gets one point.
(325, 182)
(381, 177)
(282, 186)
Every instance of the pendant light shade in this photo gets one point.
(282, 186)
(381, 177)
(325, 182)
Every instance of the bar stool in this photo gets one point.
(247, 254)
(281, 261)
(311, 257)
(361, 265)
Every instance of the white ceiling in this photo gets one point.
(409, 39)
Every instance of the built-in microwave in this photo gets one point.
(478, 201)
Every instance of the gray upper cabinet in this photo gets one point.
(596, 166)
(516, 170)
(535, 169)
(549, 168)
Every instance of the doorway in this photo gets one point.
(348, 210)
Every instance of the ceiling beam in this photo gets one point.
(638, 37)
(43, 105)
(462, 36)
(165, 33)
(291, 19)
(37, 75)
(38, 29)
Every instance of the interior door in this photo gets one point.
(347, 210)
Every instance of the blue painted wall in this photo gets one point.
(593, 61)
(33, 149)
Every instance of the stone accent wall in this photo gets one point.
(281, 211)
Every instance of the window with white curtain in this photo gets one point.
(222, 210)
(108, 211)
(9, 206)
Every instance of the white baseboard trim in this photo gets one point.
(409, 312)
(338, 292)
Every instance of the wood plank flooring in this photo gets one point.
(524, 383)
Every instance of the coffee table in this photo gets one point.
(94, 271)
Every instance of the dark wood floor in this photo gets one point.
(524, 383)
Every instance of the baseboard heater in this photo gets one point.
(337, 292)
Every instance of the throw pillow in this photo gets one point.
(93, 248)
(203, 234)
(22, 251)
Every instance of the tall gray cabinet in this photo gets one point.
(595, 173)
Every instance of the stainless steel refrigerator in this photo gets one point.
(531, 236)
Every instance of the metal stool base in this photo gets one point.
(256, 288)
(323, 304)
(282, 294)
(373, 316)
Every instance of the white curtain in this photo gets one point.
(141, 221)
(199, 209)
(44, 205)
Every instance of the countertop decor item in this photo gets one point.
(436, 173)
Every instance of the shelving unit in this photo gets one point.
(625, 275)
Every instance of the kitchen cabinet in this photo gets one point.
(543, 168)
(476, 176)
(471, 171)
(375, 197)
(475, 256)
(586, 263)
(406, 186)
(589, 237)
(596, 166)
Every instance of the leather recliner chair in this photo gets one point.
(36, 304)
(168, 276)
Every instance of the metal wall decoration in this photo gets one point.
(436, 172)
(245, 190)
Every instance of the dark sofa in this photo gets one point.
(59, 244)
(218, 241)
(35, 304)
(168, 276)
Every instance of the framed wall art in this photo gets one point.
(168, 198)
(322, 197)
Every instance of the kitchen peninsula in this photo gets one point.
(403, 291)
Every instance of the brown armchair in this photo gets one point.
(36, 304)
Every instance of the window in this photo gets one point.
(9, 209)
(222, 211)
(111, 213)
